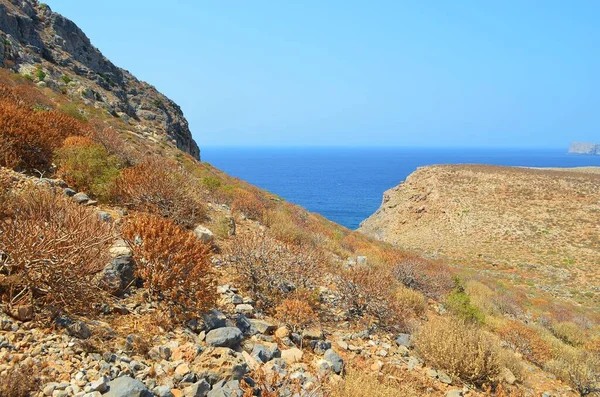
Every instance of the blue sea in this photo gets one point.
(346, 185)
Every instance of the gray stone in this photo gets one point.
(81, 198)
(265, 353)
(69, 192)
(127, 387)
(79, 329)
(198, 389)
(244, 308)
(158, 353)
(98, 385)
(444, 377)
(334, 359)
(163, 391)
(105, 216)
(224, 337)
(262, 327)
(214, 319)
(118, 274)
(404, 340)
(203, 234)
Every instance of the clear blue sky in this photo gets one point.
(419, 73)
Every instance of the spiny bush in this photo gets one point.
(87, 166)
(20, 381)
(460, 348)
(29, 138)
(526, 341)
(117, 146)
(412, 300)
(360, 384)
(173, 264)
(269, 270)
(431, 279)
(160, 187)
(51, 248)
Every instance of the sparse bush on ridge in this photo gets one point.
(581, 369)
(160, 187)
(51, 249)
(569, 333)
(295, 313)
(173, 263)
(252, 205)
(430, 279)
(460, 304)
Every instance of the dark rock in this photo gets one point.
(214, 319)
(320, 346)
(336, 362)
(69, 192)
(224, 337)
(79, 330)
(198, 389)
(81, 198)
(127, 387)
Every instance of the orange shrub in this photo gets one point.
(251, 204)
(78, 141)
(51, 249)
(526, 341)
(295, 313)
(160, 187)
(29, 138)
(173, 263)
(432, 279)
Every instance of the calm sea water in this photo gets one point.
(346, 184)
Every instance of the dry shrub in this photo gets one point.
(412, 300)
(51, 248)
(250, 204)
(526, 341)
(284, 228)
(22, 93)
(580, 369)
(296, 314)
(269, 270)
(430, 278)
(87, 166)
(570, 333)
(368, 293)
(117, 146)
(160, 187)
(460, 348)
(173, 264)
(272, 384)
(29, 138)
(20, 381)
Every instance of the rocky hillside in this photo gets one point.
(53, 51)
(534, 228)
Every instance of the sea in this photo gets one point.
(346, 185)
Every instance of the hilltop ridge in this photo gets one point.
(52, 50)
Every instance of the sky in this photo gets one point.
(455, 73)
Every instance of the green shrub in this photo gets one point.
(89, 168)
(66, 79)
(460, 304)
(40, 75)
(211, 183)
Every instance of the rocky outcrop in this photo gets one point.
(585, 148)
(38, 42)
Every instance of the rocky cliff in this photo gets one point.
(49, 48)
(585, 148)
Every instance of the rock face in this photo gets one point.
(34, 38)
(585, 148)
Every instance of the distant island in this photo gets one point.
(585, 148)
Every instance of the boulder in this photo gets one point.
(127, 387)
(203, 234)
(334, 360)
(244, 309)
(224, 337)
(292, 355)
(217, 363)
(118, 274)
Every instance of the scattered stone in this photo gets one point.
(444, 377)
(69, 192)
(203, 234)
(377, 366)
(217, 363)
(163, 391)
(236, 299)
(81, 198)
(244, 309)
(454, 393)
(292, 355)
(79, 329)
(214, 319)
(105, 216)
(343, 345)
(262, 327)
(334, 359)
(198, 389)
(313, 334)
(127, 387)
(282, 332)
(361, 260)
(99, 385)
(224, 337)
(404, 340)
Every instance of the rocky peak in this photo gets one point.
(33, 37)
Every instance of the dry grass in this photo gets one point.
(174, 265)
(580, 369)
